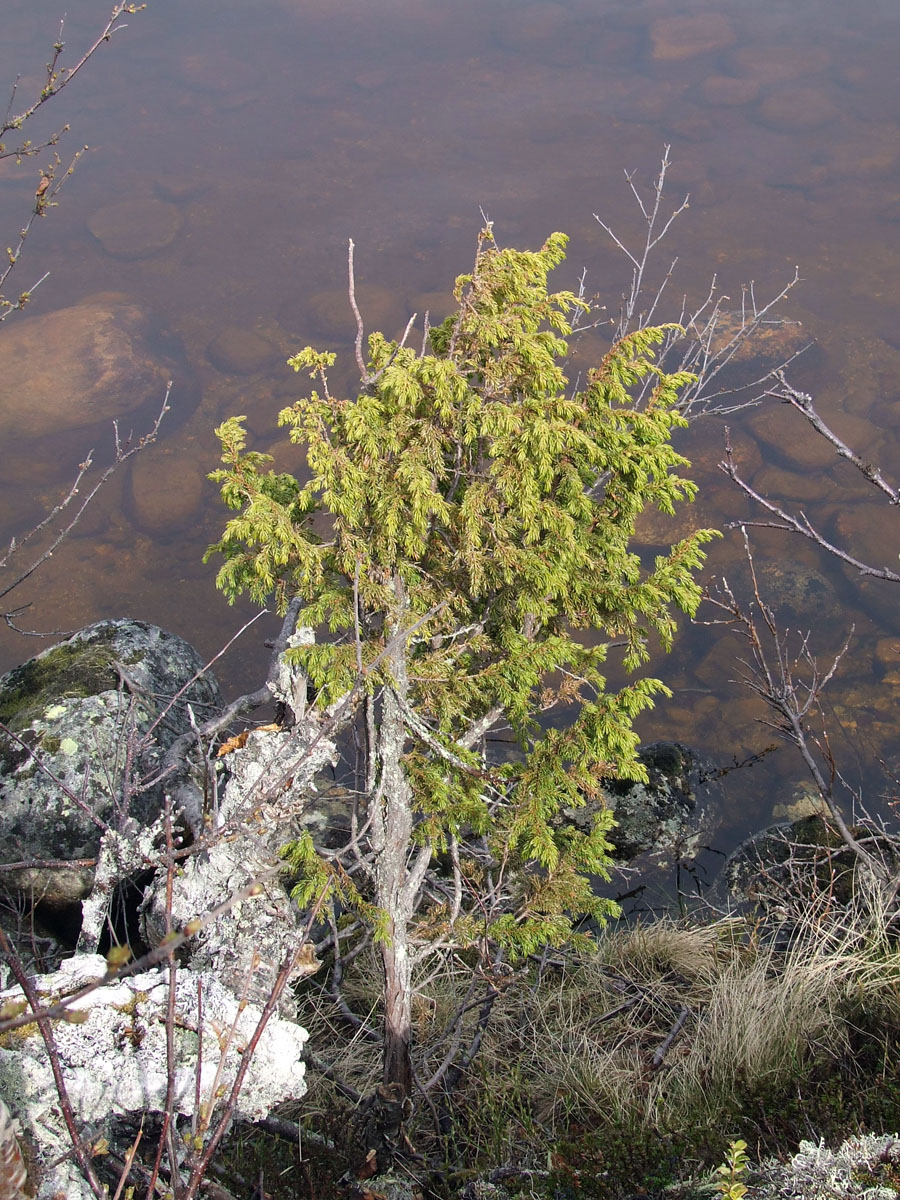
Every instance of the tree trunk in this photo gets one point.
(397, 1064)
(397, 881)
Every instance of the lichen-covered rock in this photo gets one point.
(92, 717)
(806, 855)
(667, 817)
(115, 1061)
(270, 781)
(670, 815)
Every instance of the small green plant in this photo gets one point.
(733, 1170)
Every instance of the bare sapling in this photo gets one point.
(701, 338)
(782, 670)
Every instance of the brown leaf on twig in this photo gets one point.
(307, 963)
(240, 740)
(235, 743)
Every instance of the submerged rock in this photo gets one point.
(730, 90)
(168, 485)
(791, 589)
(327, 314)
(796, 859)
(772, 343)
(136, 228)
(796, 110)
(236, 350)
(91, 716)
(677, 38)
(78, 366)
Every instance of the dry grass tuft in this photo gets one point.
(664, 1030)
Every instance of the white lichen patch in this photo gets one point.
(115, 1061)
(848, 1173)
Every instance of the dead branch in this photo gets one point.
(123, 451)
(799, 522)
(670, 1039)
(369, 377)
(771, 672)
(691, 345)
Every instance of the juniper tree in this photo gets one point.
(480, 518)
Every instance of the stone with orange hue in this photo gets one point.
(787, 432)
(78, 366)
(678, 38)
(136, 228)
(786, 488)
(796, 109)
(772, 343)
(655, 528)
(730, 90)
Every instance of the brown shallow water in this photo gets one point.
(244, 146)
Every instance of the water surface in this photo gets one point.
(268, 135)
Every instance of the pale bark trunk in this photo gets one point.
(397, 1060)
(392, 842)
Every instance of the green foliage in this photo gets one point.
(480, 515)
(733, 1171)
(319, 879)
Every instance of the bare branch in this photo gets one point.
(690, 346)
(799, 523)
(804, 404)
(124, 451)
(772, 675)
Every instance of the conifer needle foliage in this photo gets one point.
(480, 518)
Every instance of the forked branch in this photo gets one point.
(790, 683)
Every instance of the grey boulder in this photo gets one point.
(89, 722)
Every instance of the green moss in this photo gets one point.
(50, 743)
(15, 1039)
(68, 670)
